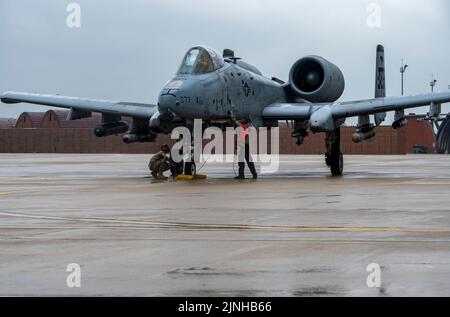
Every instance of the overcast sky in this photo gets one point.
(127, 50)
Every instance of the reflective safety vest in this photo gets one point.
(243, 136)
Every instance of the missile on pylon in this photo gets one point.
(401, 123)
(358, 137)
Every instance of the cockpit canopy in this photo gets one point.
(200, 60)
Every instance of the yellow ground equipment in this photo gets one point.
(184, 177)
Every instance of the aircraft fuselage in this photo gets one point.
(214, 95)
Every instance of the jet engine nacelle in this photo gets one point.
(317, 80)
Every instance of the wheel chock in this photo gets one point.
(184, 177)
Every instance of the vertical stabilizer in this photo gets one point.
(380, 82)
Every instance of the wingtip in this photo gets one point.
(4, 98)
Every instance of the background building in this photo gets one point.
(50, 132)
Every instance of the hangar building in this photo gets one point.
(50, 132)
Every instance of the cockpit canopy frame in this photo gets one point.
(201, 60)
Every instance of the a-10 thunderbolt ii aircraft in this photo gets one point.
(213, 86)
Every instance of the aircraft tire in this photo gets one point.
(190, 168)
(336, 164)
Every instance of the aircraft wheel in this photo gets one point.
(336, 164)
(327, 160)
(190, 168)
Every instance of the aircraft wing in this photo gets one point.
(340, 110)
(128, 109)
(289, 111)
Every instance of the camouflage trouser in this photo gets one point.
(158, 167)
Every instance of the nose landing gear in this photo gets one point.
(190, 173)
(190, 168)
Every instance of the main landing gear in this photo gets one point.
(334, 157)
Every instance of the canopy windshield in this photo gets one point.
(200, 60)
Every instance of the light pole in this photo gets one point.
(399, 117)
(433, 83)
(402, 72)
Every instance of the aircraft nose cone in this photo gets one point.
(166, 103)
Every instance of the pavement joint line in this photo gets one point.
(231, 227)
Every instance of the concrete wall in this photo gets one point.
(50, 132)
(419, 132)
(67, 140)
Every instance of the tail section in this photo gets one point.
(380, 82)
(365, 129)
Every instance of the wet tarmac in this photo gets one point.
(298, 232)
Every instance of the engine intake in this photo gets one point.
(316, 79)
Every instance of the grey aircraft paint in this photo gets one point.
(212, 88)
